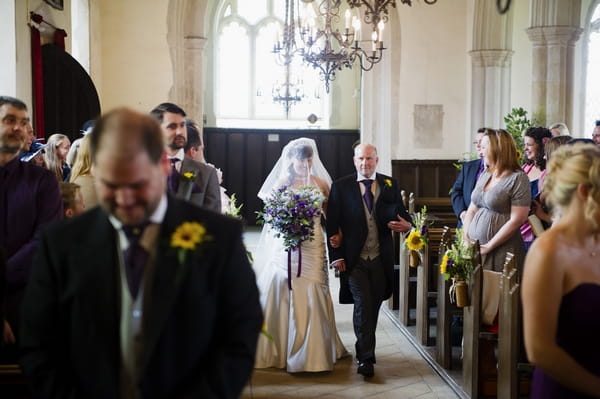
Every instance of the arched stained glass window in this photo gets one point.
(247, 77)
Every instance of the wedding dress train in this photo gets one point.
(300, 323)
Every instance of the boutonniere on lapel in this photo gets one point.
(189, 179)
(188, 237)
(388, 182)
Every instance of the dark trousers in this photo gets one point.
(367, 284)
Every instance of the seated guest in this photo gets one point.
(72, 199)
(561, 281)
(57, 149)
(81, 173)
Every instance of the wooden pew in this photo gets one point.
(510, 334)
(425, 272)
(443, 341)
(404, 272)
(473, 335)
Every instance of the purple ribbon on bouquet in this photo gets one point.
(289, 251)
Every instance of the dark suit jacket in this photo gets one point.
(200, 327)
(463, 187)
(205, 191)
(345, 211)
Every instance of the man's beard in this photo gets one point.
(177, 144)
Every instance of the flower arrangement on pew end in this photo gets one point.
(417, 239)
(457, 263)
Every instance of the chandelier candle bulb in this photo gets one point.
(374, 38)
(347, 15)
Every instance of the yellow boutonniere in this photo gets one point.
(388, 182)
(188, 176)
(187, 238)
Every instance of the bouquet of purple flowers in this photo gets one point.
(291, 212)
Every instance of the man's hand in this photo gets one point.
(400, 225)
(336, 240)
(9, 337)
(339, 264)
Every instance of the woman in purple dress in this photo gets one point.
(561, 281)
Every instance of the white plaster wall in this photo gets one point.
(433, 64)
(8, 72)
(134, 66)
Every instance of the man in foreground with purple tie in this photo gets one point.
(147, 296)
(365, 207)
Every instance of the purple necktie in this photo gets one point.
(368, 195)
(135, 258)
(481, 169)
(173, 179)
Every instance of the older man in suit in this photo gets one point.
(147, 296)
(189, 179)
(466, 180)
(365, 208)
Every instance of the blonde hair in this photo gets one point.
(570, 166)
(83, 162)
(502, 151)
(51, 155)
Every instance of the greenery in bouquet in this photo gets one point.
(457, 262)
(234, 210)
(291, 214)
(417, 238)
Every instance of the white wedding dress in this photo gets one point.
(301, 322)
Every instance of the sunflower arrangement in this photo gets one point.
(457, 261)
(417, 239)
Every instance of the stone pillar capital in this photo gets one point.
(491, 58)
(554, 35)
(194, 42)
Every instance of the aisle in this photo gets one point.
(400, 371)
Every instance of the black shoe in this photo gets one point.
(366, 369)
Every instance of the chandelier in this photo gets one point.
(313, 36)
(287, 94)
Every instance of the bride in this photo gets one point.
(300, 324)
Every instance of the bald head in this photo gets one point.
(130, 165)
(125, 133)
(365, 160)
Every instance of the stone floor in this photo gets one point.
(400, 372)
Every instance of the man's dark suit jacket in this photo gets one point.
(200, 327)
(463, 187)
(345, 211)
(205, 191)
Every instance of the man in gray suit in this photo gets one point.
(189, 179)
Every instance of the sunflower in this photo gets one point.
(414, 241)
(444, 264)
(188, 235)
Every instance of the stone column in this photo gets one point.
(491, 57)
(490, 90)
(552, 82)
(191, 94)
(553, 33)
